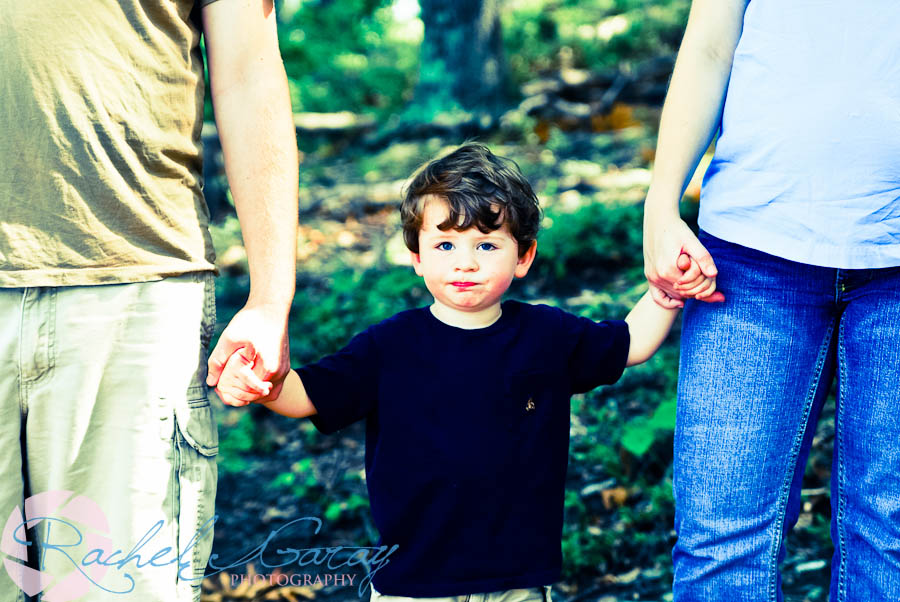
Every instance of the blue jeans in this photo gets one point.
(754, 373)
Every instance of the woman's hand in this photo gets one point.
(665, 240)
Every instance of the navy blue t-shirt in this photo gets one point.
(467, 439)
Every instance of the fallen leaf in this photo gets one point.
(614, 497)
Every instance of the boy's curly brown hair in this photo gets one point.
(481, 189)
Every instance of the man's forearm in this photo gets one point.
(257, 133)
(250, 96)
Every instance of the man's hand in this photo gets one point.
(263, 329)
(665, 240)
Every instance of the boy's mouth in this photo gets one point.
(463, 284)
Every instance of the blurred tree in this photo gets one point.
(286, 9)
(462, 61)
(344, 56)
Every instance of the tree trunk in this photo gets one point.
(462, 62)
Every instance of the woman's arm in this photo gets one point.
(690, 118)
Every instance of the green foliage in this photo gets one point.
(590, 34)
(596, 540)
(323, 320)
(623, 434)
(627, 428)
(348, 56)
(355, 55)
(597, 241)
(354, 505)
(642, 432)
(234, 442)
(301, 480)
(340, 501)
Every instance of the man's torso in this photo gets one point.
(100, 158)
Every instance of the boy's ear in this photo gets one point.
(417, 262)
(526, 259)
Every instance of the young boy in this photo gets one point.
(466, 401)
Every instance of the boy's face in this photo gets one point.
(466, 271)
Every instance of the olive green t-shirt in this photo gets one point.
(101, 108)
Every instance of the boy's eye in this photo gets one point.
(444, 246)
(487, 246)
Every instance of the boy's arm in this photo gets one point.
(648, 326)
(241, 384)
(293, 400)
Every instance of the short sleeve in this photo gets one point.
(599, 353)
(343, 387)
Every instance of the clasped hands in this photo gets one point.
(677, 265)
(255, 339)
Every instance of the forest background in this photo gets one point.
(570, 89)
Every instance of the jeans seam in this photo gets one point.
(784, 494)
(178, 452)
(23, 386)
(51, 330)
(839, 450)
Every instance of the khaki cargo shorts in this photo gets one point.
(108, 440)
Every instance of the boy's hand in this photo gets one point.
(693, 283)
(238, 384)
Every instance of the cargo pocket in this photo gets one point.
(196, 446)
(197, 423)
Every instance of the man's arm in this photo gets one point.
(648, 326)
(253, 114)
(689, 120)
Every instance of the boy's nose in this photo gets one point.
(466, 262)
